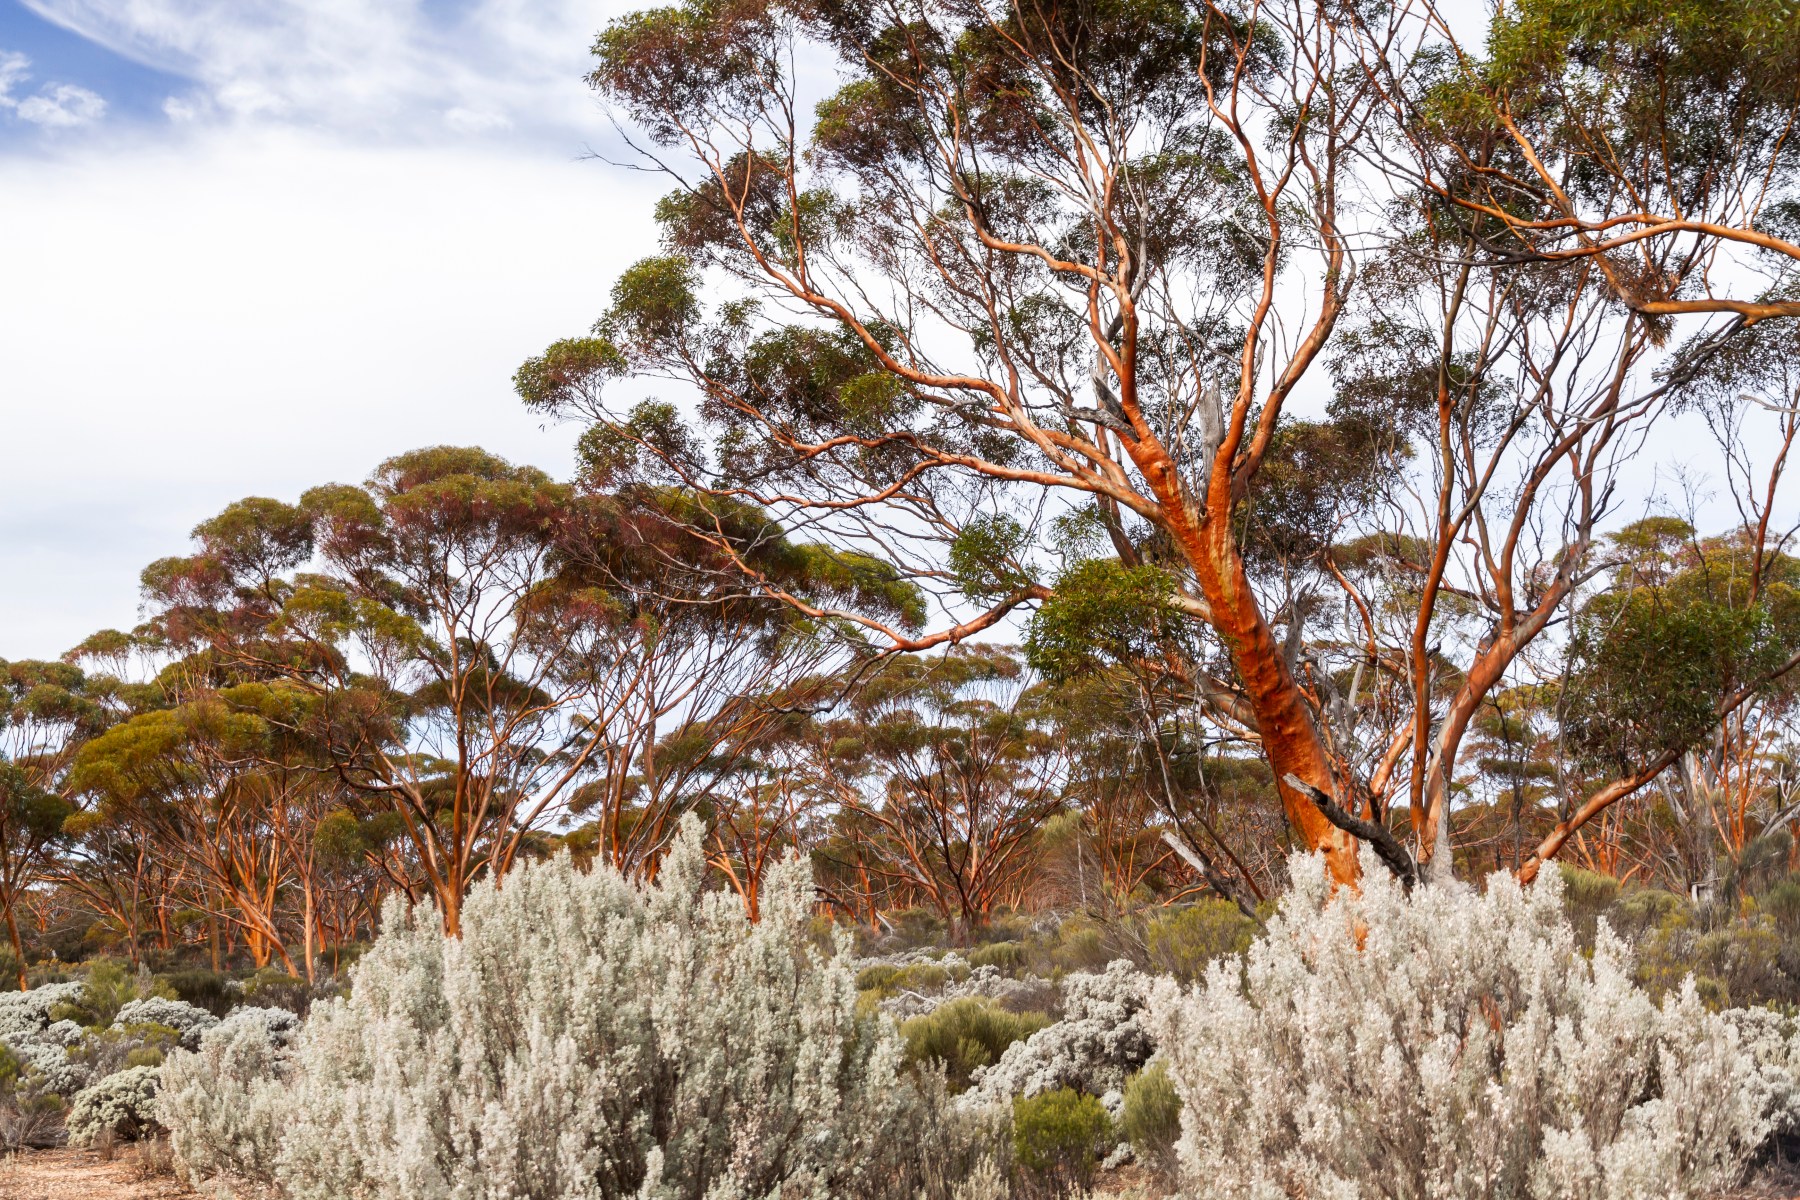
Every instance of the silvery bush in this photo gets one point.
(1101, 1039)
(587, 1037)
(187, 1020)
(123, 1102)
(225, 1106)
(278, 1025)
(27, 1014)
(1450, 1044)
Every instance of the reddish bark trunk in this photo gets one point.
(1290, 740)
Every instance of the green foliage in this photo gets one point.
(1653, 658)
(1102, 613)
(859, 579)
(274, 988)
(1058, 1138)
(876, 978)
(1081, 945)
(568, 374)
(1586, 895)
(29, 814)
(1315, 476)
(1742, 948)
(1736, 962)
(966, 1033)
(653, 303)
(1183, 942)
(1009, 957)
(917, 977)
(140, 1044)
(1151, 1119)
(986, 557)
(108, 987)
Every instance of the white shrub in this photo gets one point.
(1447, 1045)
(124, 1102)
(584, 1038)
(188, 1020)
(50, 1063)
(28, 1013)
(278, 1025)
(225, 1106)
(1015, 995)
(1100, 1041)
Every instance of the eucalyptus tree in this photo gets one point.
(1699, 630)
(944, 767)
(1026, 258)
(48, 710)
(224, 797)
(480, 651)
(1649, 139)
(1033, 264)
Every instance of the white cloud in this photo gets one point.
(464, 120)
(396, 70)
(54, 106)
(62, 106)
(14, 68)
(255, 311)
(185, 109)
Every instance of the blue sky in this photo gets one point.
(57, 57)
(249, 246)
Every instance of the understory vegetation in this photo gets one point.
(590, 1035)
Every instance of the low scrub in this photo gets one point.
(586, 1037)
(1059, 1138)
(1150, 1118)
(1451, 1044)
(966, 1035)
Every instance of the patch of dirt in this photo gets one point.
(82, 1175)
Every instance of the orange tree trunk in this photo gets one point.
(1290, 740)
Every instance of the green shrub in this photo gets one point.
(1736, 964)
(1007, 956)
(1782, 903)
(877, 978)
(1058, 1138)
(105, 1051)
(211, 990)
(918, 977)
(274, 988)
(1640, 910)
(965, 1034)
(1080, 947)
(1184, 941)
(914, 927)
(1151, 1120)
(108, 987)
(144, 1056)
(1586, 895)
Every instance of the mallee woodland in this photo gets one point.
(1161, 598)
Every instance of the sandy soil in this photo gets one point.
(81, 1175)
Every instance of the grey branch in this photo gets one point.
(1214, 878)
(1387, 846)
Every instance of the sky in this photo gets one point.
(250, 246)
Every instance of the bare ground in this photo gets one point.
(88, 1175)
(84, 1175)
